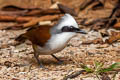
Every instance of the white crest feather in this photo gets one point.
(67, 20)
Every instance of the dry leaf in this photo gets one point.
(117, 25)
(74, 4)
(65, 9)
(114, 37)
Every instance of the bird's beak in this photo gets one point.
(81, 31)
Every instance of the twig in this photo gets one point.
(105, 77)
(13, 13)
(33, 22)
(97, 76)
(74, 75)
(43, 18)
(40, 12)
(115, 75)
(92, 22)
(12, 18)
(113, 14)
(86, 3)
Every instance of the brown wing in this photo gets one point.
(39, 35)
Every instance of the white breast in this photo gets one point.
(58, 41)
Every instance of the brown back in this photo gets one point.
(39, 35)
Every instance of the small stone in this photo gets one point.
(7, 63)
(16, 51)
(15, 79)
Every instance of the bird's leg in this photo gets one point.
(36, 55)
(60, 61)
(38, 61)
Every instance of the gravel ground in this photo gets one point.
(18, 63)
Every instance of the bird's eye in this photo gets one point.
(65, 29)
(70, 29)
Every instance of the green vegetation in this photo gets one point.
(99, 69)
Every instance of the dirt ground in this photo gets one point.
(18, 62)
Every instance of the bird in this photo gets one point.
(48, 40)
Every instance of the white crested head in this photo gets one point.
(61, 33)
(66, 20)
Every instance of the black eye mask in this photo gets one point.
(72, 29)
(69, 29)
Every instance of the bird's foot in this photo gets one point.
(59, 61)
(41, 66)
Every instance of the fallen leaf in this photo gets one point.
(65, 9)
(117, 25)
(114, 37)
(104, 33)
(74, 4)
